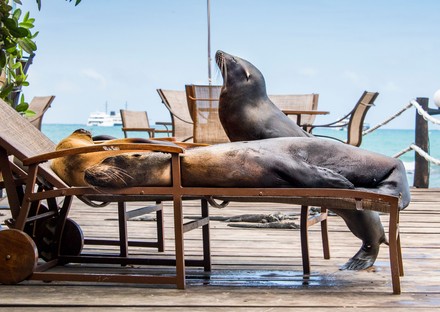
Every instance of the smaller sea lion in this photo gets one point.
(71, 168)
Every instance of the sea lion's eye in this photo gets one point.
(234, 60)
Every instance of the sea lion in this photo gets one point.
(247, 114)
(278, 162)
(71, 168)
(245, 110)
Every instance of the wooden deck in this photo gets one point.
(257, 269)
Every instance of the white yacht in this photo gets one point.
(102, 119)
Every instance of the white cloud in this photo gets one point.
(67, 86)
(391, 86)
(355, 78)
(308, 72)
(94, 75)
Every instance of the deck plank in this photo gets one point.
(256, 269)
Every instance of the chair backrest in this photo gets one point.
(203, 103)
(22, 140)
(297, 102)
(176, 103)
(357, 116)
(39, 105)
(135, 121)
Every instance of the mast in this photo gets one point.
(209, 41)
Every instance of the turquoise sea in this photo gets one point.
(385, 141)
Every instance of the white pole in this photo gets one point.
(209, 41)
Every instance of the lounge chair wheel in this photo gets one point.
(18, 256)
(72, 240)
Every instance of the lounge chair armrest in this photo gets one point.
(103, 147)
(138, 129)
(164, 123)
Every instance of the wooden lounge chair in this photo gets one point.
(298, 102)
(175, 102)
(354, 120)
(39, 105)
(138, 121)
(33, 194)
(203, 101)
(18, 252)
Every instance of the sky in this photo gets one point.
(120, 52)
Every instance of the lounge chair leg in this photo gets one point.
(123, 243)
(159, 221)
(206, 238)
(305, 239)
(179, 242)
(394, 251)
(324, 234)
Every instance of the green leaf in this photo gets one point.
(2, 59)
(27, 45)
(18, 1)
(26, 25)
(16, 15)
(16, 65)
(10, 23)
(29, 113)
(6, 90)
(34, 35)
(22, 107)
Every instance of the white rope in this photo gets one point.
(419, 151)
(388, 120)
(420, 111)
(406, 150)
(424, 114)
(424, 154)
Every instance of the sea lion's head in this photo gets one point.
(131, 169)
(239, 75)
(79, 137)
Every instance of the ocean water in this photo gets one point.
(385, 141)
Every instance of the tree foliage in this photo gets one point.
(17, 43)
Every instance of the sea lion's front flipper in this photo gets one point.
(299, 173)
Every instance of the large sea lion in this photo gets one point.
(245, 110)
(278, 162)
(247, 114)
(71, 168)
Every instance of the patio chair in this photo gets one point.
(203, 101)
(298, 102)
(354, 120)
(175, 102)
(137, 121)
(39, 105)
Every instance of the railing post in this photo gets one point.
(421, 169)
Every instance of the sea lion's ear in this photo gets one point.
(248, 74)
